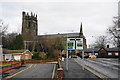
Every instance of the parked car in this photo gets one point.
(92, 56)
(74, 56)
(10, 60)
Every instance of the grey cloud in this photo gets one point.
(59, 17)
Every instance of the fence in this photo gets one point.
(14, 64)
(38, 61)
(9, 62)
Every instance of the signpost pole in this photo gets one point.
(83, 54)
(67, 61)
(67, 56)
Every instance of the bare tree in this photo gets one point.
(101, 41)
(114, 32)
(3, 28)
(7, 39)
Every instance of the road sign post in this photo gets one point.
(67, 61)
(93, 51)
(67, 55)
(83, 54)
(74, 44)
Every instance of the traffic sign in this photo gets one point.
(70, 51)
(79, 43)
(69, 47)
(93, 50)
(70, 43)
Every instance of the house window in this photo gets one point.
(17, 57)
(26, 56)
(96, 53)
(116, 54)
(109, 53)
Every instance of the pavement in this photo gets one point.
(34, 72)
(75, 71)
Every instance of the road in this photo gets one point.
(110, 67)
(75, 71)
(94, 69)
(36, 71)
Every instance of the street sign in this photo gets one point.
(70, 51)
(74, 43)
(70, 43)
(70, 47)
(93, 50)
(79, 43)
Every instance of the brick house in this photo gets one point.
(103, 52)
(16, 54)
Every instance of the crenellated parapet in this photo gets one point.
(28, 16)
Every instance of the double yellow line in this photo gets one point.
(93, 71)
(53, 73)
(18, 72)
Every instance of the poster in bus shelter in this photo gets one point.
(70, 43)
(79, 43)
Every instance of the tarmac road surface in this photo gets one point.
(36, 72)
(106, 66)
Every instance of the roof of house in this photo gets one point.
(113, 49)
(90, 49)
(6, 51)
(107, 49)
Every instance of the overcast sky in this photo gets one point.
(62, 16)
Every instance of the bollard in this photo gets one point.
(60, 73)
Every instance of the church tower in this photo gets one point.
(81, 35)
(29, 26)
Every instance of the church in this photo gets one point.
(30, 30)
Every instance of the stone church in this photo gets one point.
(30, 30)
